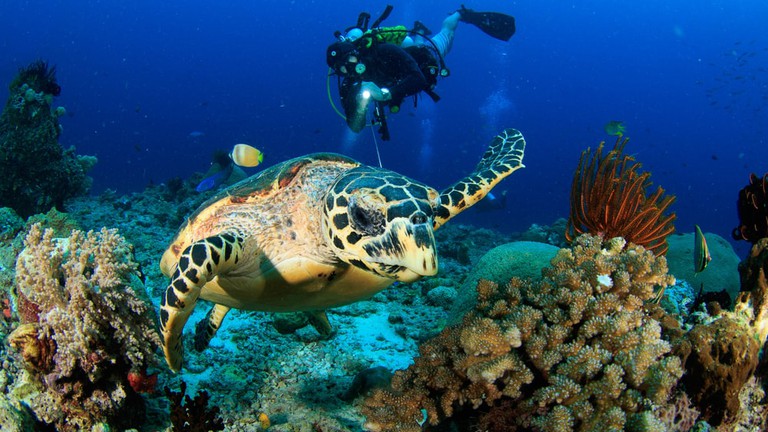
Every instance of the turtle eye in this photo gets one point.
(419, 218)
(366, 220)
(360, 217)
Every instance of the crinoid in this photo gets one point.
(753, 210)
(39, 76)
(608, 198)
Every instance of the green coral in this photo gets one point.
(37, 172)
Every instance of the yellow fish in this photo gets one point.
(246, 156)
(701, 255)
(615, 128)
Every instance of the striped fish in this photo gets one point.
(701, 255)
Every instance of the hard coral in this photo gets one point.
(752, 206)
(578, 350)
(85, 291)
(608, 198)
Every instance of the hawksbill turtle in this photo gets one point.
(312, 233)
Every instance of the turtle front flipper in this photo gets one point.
(206, 329)
(503, 157)
(198, 263)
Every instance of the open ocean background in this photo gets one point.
(153, 88)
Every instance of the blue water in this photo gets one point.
(153, 88)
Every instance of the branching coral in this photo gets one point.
(90, 329)
(608, 198)
(752, 206)
(578, 350)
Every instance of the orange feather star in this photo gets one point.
(608, 198)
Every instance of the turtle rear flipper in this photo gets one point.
(206, 329)
(503, 157)
(198, 264)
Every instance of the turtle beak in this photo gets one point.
(421, 257)
(407, 253)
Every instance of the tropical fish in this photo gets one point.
(246, 156)
(615, 128)
(701, 255)
(215, 179)
(196, 134)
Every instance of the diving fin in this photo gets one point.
(494, 24)
(421, 29)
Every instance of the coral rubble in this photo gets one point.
(577, 350)
(85, 328)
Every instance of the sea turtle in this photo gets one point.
(312, 233)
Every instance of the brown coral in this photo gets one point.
(722, 355)
(36, 349)
(590, 354)
(84, 289)
(608, 198)
(719, 359)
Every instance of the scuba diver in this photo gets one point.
(384, 65)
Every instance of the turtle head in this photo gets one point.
(381, 221)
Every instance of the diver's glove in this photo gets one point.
(375, 92)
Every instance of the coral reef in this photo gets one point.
(752, 302)
(192, 415)
(722, 353)
(577, 350)
(37, 172)
(550, 234)
(719, 358)
(752, 206)
(608, 198)
(523, 259)
(85, 328)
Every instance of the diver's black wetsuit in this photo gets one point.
(389, 66)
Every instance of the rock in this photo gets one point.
(721, 273)
(521, 259)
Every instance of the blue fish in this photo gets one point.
(215, 179)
